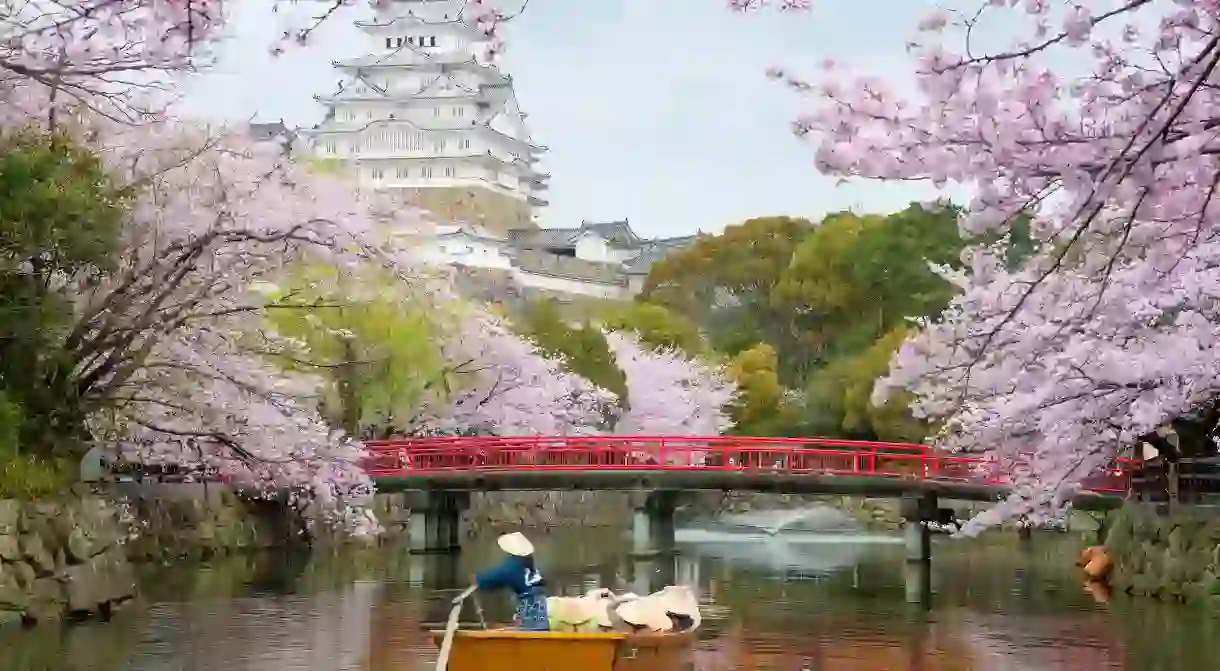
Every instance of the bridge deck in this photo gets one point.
(781, 465)
(780, 483)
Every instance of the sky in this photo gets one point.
(655, 111)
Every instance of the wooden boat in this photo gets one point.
(481, 649)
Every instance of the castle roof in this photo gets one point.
(655, 251)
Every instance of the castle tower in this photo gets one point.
(422, 115)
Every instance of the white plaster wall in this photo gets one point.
(635, 284)
(464, 250)
(568, 286)
(590, 247)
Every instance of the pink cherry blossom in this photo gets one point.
(159, 345)
(506, 387)
(164, 338)
(1106, 332)
(669, 394)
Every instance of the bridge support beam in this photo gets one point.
(436, 520)
(917, 511)
(652, 526)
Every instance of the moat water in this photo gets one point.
(794, 600)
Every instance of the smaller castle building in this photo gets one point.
(597, 259)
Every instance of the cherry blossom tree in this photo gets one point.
(159, 350)
(155, 356)
(1099, 121)
(505, 386)
(668, 393)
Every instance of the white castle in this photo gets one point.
(425, 116)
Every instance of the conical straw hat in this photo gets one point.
(645, 612)
(679, 600)
(516, 544)
(598, 609)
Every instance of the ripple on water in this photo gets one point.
(792, 602)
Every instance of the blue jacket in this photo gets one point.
(513, 574)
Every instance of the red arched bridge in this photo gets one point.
(437, 475)
(795, 465)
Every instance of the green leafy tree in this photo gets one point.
(61, 215)
(377, 348)
(658, 326)
(723, 283)
(838, 398)
(855, 278)
(892, 420)
(761, 408)
(582, 347)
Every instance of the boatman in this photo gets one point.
(518, 573)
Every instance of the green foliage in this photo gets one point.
(744, 262)
(582, 348)
(760, 409)
(892, 420)
(377, 349)
(59, 210)
(829, 303)
(839, 397)
(658, 326)
(24, 475)
(61, 217)
(857, 277)
(723, 283)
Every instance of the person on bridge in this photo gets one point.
(518, 573)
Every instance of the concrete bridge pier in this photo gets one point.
(650, 575)
(652, 525)
(917, 511)
(436, 520)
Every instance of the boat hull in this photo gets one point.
(477, 650)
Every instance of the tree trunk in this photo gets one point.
(1173, 483)
(349, 391)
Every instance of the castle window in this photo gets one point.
(465, 144)
(449, 171)
(389, 42)
(378, 173)
(426, 171)
(402, 173)
(432, 41)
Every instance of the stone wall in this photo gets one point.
(194, 521)
(60, 559)
(1171, 557)
(494, 211)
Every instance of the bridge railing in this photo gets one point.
(679, 453)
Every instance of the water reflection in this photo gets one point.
(802, 603)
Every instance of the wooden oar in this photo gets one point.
(451, 627)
